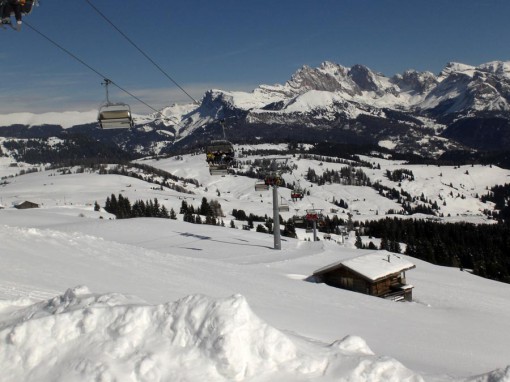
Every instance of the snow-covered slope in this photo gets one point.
(455, 189)
(219, 304)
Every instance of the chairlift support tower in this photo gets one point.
(276, 220)
(276, 211)
(313, 215)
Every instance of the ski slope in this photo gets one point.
(87, 297)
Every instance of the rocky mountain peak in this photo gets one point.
(412, 80)
(499, 68)
(456, 68)
(363, 77)
(307, 78)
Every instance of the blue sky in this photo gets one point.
(232, 45)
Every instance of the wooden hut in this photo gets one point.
(380, 274)
(25, 205)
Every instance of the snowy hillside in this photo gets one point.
(85, 297)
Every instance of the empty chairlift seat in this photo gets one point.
(115, 116)
(283, 207)
(261, 187)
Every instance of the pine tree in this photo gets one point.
(164, 213)
(184, 207)
(358, 243)
(156, 208)
(384, 244)
(261, 228)
(205, 209)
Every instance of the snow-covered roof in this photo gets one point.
(373, 266)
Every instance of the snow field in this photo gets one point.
(243, 311)
(83, 336)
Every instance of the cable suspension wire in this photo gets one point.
(140, 50)
(89, 67)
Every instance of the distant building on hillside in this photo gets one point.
(380, 274)
(25, 205)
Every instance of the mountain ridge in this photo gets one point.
(414, 110)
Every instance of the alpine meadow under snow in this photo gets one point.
(88, 297)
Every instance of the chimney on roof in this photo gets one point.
(389, 259)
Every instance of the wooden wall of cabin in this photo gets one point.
(382, 287)
(344, 279)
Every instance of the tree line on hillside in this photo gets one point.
(482, 248)
(351, 160)
(400, 174)
(349, 176)
(70, 151)
(149, 174)
(122, 208)
(500, 196)
(211, 211)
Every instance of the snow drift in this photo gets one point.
(85, 336)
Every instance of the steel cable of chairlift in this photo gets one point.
(140, 50)
(89, 67)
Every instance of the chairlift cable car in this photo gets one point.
(28, 7)
(90, 67)
(114, 115)
(220, 154)
(284, 206)
(297, 193)
(25, 9)
(261, 186)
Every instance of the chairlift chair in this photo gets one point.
(283, 207)
(296, 194)
(298, 220)
(273, 179)
(312, 216)
(220, 146)
(218, 170)
(26, 7)
(29, 6)
(219, 156)
(114, 115)
(261, 187)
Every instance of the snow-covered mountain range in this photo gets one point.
(416, 112)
